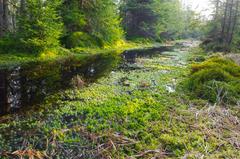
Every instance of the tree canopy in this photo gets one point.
(223, 34)
(40, 25)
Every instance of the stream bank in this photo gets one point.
(28, 84)
(134, 112)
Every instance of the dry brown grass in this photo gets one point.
(234, 57)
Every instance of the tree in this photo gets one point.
(170, 18)
(7, 16)
(152, 19)
(230, 20)
(39, 25)
(224, 25)
(104, 21)
(139, 19)
(91, 22)
(193, 24)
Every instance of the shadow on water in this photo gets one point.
(130, 56)
(29, 84)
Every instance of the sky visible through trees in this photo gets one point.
(202, 6)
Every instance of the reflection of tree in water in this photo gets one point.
(31, 83)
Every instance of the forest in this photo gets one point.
(116, 79)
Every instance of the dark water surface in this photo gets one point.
(29, 84)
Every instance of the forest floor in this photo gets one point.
(138, 111)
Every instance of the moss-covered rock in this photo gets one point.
(216, 79)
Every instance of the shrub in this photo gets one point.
(198, 55)
(80, 39)
(218, 62)
(7, 45)
(215, 45)
(216, 79)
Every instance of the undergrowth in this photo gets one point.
(129, 114)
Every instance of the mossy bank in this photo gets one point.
(138, 111)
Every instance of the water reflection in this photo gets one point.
(30, 84)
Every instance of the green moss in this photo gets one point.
(108, 119)
(216, 80)
(218, 62)
(81, 39)
(12, 59)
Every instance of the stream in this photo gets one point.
(29, 84)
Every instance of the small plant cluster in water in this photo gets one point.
(217, 80)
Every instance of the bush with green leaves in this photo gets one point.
(216, 79)
(80, 39)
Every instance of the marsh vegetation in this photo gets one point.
(118, 79)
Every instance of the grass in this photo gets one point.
(129, 114)
(8, 60)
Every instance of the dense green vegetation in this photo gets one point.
(38, 26)
(91, 23)
(119, 79)
(42, 25)
(130, 113)
(217, 79)
(159, 20)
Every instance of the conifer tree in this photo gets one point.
(38, 25)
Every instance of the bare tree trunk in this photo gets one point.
(224, 21)
(217, 4)
(229, 23)
(22, 7)
(5, 17)
(235, 19)
(1, 18)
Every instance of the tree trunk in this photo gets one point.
(217, 10)
(224, 21)
(5, 17)
(1, 18)
(230, 22)
(235, 19)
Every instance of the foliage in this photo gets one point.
(170, 17)
(80, 39)
(8, 45)
(98, 21)
(40, 26)
(216, 79)
(198, 54)
(223, 28)
(18, 59)
(106, 23)
(139, 19)
(9, 60)
(159, 20)
(193, 25)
